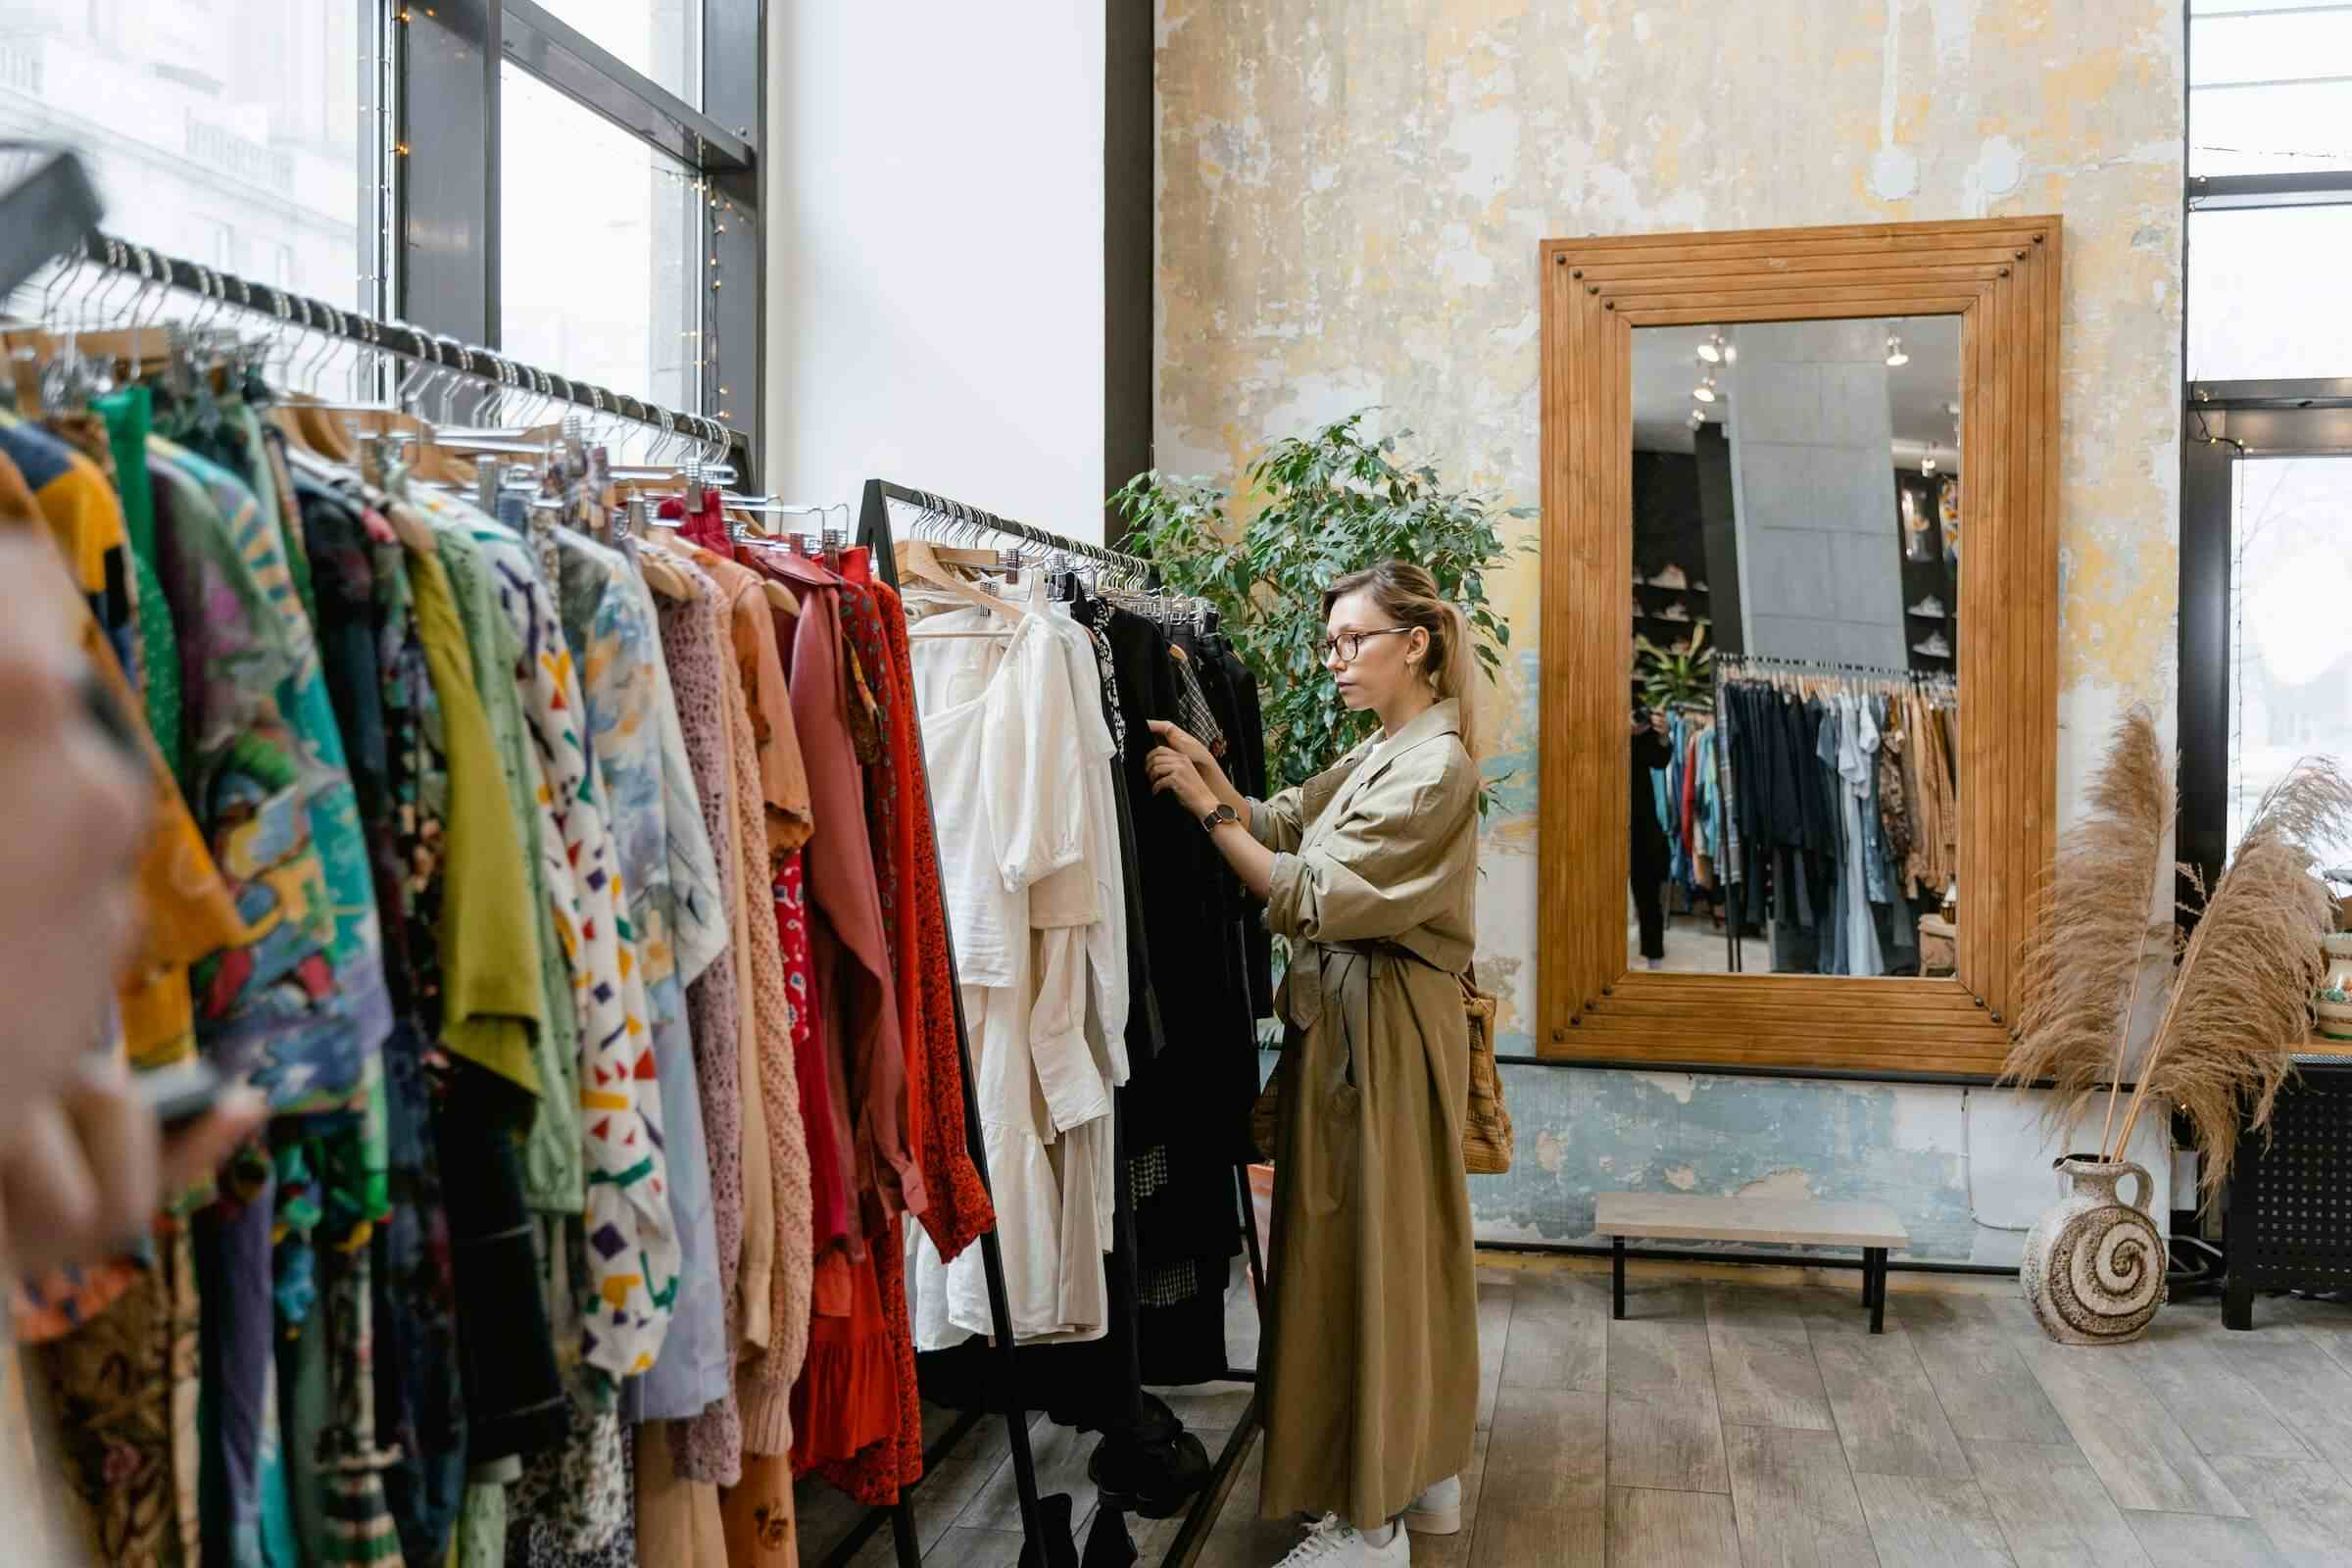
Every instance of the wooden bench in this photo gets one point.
(1694, 1216)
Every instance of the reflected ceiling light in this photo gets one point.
(1927, 464)
(1894, 350)
(1705, 390)
(1699, 416)
(1717, 351)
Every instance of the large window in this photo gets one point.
(237, 145)
(2265, 661)
(584, 207)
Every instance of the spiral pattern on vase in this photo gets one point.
(2105, 1274)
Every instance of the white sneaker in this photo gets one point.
(1928, 608)
(1678, 611)
(1436, 1511)
(1935, 647)
(1332, 1544)
(1670, 578)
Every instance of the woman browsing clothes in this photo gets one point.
(1368, 870)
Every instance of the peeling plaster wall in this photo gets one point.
(1350, 201)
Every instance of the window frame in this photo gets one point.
(442, 236)
(2224, 422)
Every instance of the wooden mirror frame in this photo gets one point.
(2001, 278)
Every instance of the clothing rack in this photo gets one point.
(875, 535)
(282, 309)
(1045, 1544)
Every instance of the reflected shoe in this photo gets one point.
(1933, 648)
(1678, 611)
(1670, 578)
(1436, 1511)
(1928, 608)
(1332, 1544)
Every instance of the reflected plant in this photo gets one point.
(1671, 679)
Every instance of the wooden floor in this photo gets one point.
(1745, 1417)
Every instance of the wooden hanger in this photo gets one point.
(918, 560)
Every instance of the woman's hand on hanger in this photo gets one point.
(1180, 753)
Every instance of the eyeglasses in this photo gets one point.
(1347, 645)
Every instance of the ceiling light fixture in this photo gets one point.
(1716, 350)
(1894, 350)
(1699, 416)
(1705, 390)
(1927, 464)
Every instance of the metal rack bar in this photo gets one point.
(396, 338)
(878, 491)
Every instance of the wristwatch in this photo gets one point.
(1220, 817)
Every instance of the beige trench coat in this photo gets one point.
(1371, 1361)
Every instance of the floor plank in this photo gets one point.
(2204, 1393)
(2309, 1390)
(976, 1549)
(1766, 1377)
(2052, 1510)
(2141, 1455)
(1986, 1390)
(2303, 1506)
(1664, 1429)
(1779, 1309)
(2200, 1540)
(1061, 1454)
(1240, 1538)
(1548, 1448)
(1452, 1551)
(1516, 1535)
(947, 1488)
(1796, 1500)
(1558, 1334)
(1661, 1298)
(1497, 1297)
(1887, 1410)
(1921, 1522)
(1671, 1530)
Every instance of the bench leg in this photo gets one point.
(1617, 1277)
(1877, 1265)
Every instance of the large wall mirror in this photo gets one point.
(1799, 621)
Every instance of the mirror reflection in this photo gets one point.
(1798, 522)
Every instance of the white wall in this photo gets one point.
(935, 254)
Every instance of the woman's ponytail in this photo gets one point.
(1456, 673)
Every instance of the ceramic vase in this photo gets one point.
(2094, 1269)
(2334, 1000)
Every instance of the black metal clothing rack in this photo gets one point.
(875, 535)
(1045, 1544)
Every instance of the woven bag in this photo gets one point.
(1487, 1140)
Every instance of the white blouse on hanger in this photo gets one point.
(1002, 745)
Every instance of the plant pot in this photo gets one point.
(2334, 999)
(2094, 1269)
